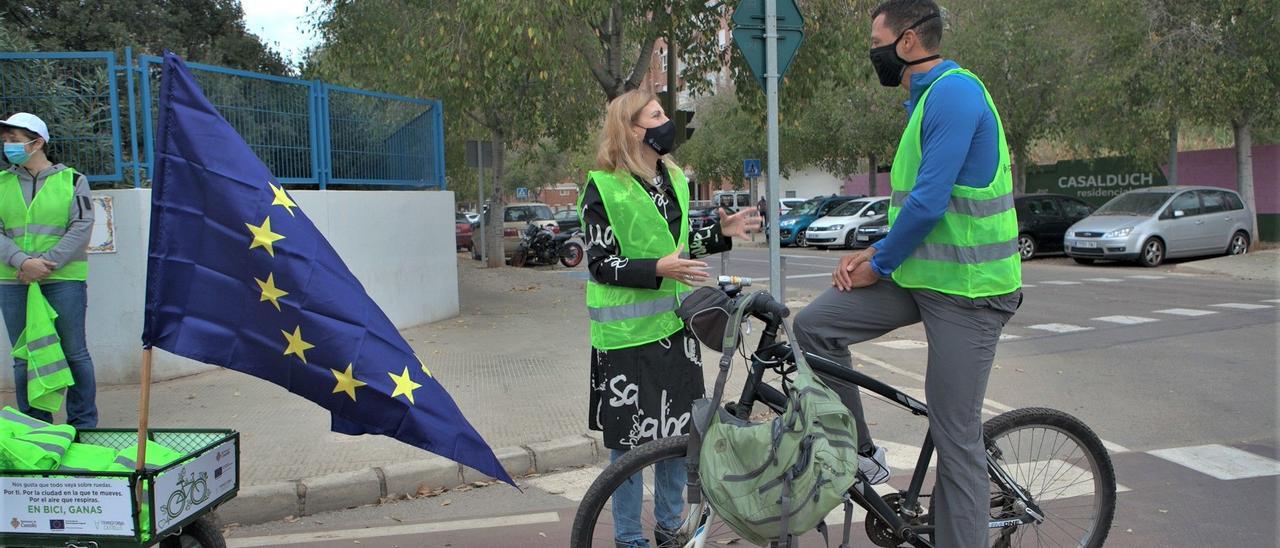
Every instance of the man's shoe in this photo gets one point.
(874, 467)
(667, 539)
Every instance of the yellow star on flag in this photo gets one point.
(424, 366)
(346, 382)
(404, 385)
(282, 199)
(269, 290)
(263, 236)
(296, 344)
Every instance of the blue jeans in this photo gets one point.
(70, 300)
(670, 477)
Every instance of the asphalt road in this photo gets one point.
(1177, 372)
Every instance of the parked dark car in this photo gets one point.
(871, 232)
(1043, 220)
(568, 220)
(702, 217)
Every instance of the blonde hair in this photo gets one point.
(619, 148)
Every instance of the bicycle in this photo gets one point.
(191, 490)
(1032, 495)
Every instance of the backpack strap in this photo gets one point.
(848, 520)
(786, 540)
(702, 420)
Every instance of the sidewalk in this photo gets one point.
(1259, 264)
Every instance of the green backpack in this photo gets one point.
(769, 481)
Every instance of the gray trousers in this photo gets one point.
(962, 335)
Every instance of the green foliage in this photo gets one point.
(206, 31)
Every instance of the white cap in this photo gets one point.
(29, 122)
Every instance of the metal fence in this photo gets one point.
(306, 131)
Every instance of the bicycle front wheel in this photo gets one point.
(595, 525)
(1062, 465)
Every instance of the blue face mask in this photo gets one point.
(17, 153)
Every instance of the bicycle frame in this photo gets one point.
(769, 353)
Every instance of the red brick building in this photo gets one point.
(560, 197)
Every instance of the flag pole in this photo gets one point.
(144, 409)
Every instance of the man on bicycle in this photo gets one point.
(950, 260)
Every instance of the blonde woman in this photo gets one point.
(645, 371)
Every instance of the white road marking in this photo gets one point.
(888, 367)
(1024, 286)
(988, 404)
(1242, 306)
(1186, 312)
(1060, 282)
(903, 344)
(1114, 448)
(1125, 320)
(1008, 337)
(1220, 461)
(1104, 280)
(1145, 277)
(375, 532)
(1271, 301)
(1059, 327)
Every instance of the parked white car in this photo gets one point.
(1152, 224)
(840, 226)
(785, 204)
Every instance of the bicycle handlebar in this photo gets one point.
(765, 304)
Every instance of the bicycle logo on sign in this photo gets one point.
(191, 490)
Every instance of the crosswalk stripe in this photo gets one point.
(1125, 320)
(1220, 461)
(1242, 306)
(1059, 327)
(903, 344)
(1145, 277)
(1060, 282)
(1186, 312)
(1114, 448)
(1104, 280)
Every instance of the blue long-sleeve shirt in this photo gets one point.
(959, 142)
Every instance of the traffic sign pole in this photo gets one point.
(771, 194)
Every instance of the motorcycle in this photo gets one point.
(538, 245)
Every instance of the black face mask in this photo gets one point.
(889, 67)
(661, 139)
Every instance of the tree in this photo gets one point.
(725, 136)
(1229, 70)
(206, 31)
(495, 63)
(1017, 48)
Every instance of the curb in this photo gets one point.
(278, 500)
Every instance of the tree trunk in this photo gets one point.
(1172, 176)
(497, 201)
(1019, 170)
(871, 176)
(1244, 170)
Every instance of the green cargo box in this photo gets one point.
(100, 509)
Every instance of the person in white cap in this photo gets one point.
(46, 217)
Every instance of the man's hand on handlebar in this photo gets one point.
(855, 271)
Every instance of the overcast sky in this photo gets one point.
(281, 24)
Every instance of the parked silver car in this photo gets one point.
(1152, 224)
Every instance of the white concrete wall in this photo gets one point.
(810, 183)
(399, 244)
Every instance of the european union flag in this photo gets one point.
(237, 276)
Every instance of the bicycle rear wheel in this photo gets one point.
(1063, 466)
(593, 526)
